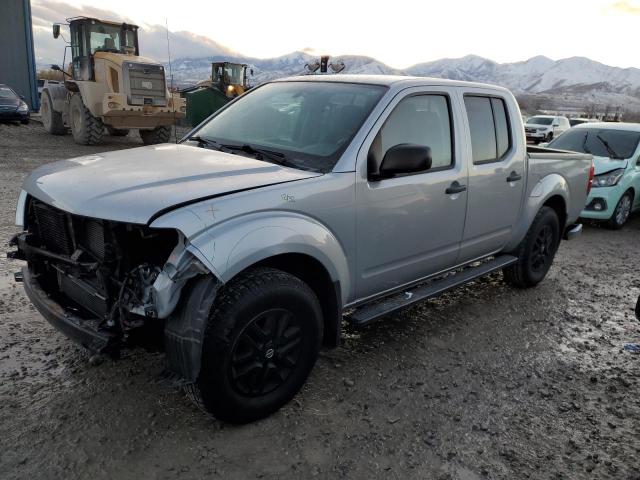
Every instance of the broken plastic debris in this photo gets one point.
(632, 347)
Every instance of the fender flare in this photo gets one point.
(547, 187)
(230, 247)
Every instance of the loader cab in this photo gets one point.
(90, 36)
(229, 78)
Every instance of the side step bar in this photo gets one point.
(373, 311)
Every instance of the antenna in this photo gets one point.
(175, 132)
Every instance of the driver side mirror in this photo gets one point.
(404, 158)
(555, 125)
(56, 30)
(56, 68)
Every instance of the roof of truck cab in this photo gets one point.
(388, 80)
(629, 127)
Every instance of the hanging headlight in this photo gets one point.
(608, 179)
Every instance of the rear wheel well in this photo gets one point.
(559, 206)
(314, 274)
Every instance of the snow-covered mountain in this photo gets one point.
(536, 75)
(571, 80)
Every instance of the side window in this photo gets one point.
(503, 136)
(489, 128)
(421, 120)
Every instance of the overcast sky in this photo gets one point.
(399, 33)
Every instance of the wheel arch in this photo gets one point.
(312, 272)
(551, 191)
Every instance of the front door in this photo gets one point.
(496, 174)
(410, 226)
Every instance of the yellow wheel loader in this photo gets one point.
(108, 86)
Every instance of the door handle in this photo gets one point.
(514, 177)
(455, 187)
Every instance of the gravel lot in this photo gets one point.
(485, 382)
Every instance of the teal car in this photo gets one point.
(616, 156)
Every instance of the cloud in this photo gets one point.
(152, 38)
(627, 6)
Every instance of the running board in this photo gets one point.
(373, 311)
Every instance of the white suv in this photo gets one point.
(544, 128)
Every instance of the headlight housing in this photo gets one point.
(608, 179)
(23, 107)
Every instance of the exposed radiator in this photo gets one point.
(53, 228)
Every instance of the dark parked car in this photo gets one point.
(12, 107)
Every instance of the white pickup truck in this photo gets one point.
(300, 203)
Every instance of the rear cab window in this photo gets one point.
(489, 128)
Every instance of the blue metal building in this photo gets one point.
(17, 59)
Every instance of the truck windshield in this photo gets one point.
(601, 142)
(540, 120)
(110, 38)
(309, 123)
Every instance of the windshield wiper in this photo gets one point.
(612, 153)
(259, 153)
(204, 141)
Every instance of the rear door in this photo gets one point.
(496, 171)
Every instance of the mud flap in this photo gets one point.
(185, 327)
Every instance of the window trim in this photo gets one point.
(493, 116)
(452, 136)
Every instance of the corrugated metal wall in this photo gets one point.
(17, 60)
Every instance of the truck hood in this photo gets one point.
(606, 164)
(135, 185)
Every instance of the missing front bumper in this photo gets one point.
(84, 331)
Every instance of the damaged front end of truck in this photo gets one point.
(100, 281)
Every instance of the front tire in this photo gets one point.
(155, 136)
(536, 252)
(261, 342)
(622, 211)
(86, 129)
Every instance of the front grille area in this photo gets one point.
(53, 228)
(82, 262)
(146, 84)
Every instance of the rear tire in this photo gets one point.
(155, 136)
(118, 132)
(536, 251)
(86, 129)
(622, 211)
(51, 120)
(261, 342)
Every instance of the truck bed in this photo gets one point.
(573, 167)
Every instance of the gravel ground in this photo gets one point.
(485, 382)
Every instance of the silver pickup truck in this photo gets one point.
(302, 203)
